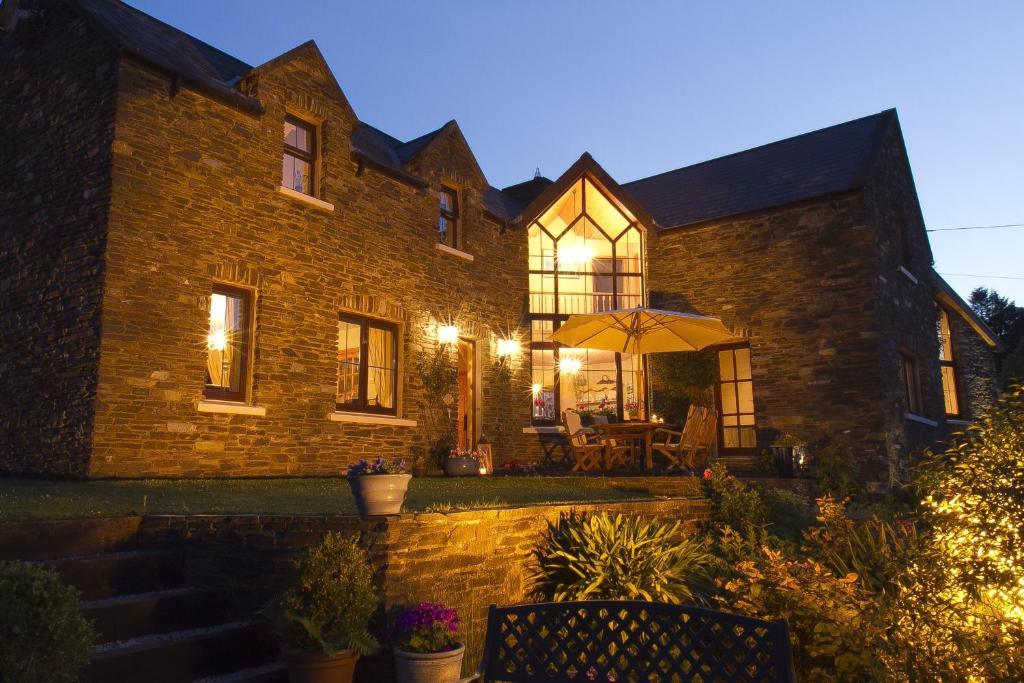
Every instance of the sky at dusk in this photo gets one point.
(650, 86)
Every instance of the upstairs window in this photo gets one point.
(948, 367)
(299, 166)
(911, 380)
(448, 221)
(228, 343)
(367, 365)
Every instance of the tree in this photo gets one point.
(1006, 319)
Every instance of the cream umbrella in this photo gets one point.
(642, 330)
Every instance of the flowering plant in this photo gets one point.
(466, 453)
(519, 467)
(427, 628)
(378, 466)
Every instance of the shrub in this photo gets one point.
(788, 513)
(330, 604)
(598, 557)
(43, 637)
(834, 461)
(427, 628)
(733, 503)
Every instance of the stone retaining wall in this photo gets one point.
(465, 559)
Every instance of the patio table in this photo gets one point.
(638, 434)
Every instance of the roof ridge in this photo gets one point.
(397, 142)
(767, 144)
(429, 134)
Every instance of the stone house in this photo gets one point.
(214, 269)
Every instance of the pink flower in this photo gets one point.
(592, 674)
(708, 474)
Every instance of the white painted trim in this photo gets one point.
(962, 423)
(303, 197)
(231, 408)
(454, 252)
(922, 420)
(369, 419)
(910, 276)
(543, 430)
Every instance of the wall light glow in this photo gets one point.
(507, 347)
(447, 334)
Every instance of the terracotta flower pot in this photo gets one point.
(315, 667)
(461, 467)
(429, 667)
(379, 494)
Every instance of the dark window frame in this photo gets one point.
(309, 156)
(248, 298)
(453, 235)
(910, 378)
(361, 404)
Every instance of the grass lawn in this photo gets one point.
(37, 499)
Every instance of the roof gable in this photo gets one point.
(822, 162)
(307, 50)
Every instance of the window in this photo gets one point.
(367, 365)
(299, 167)
(585, 257)
(448, 221)
(228, 343)
(736, 399)
(911, 383)
(947, 365)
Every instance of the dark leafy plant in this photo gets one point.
(733, 503)
(835, 462)
(679, 379)
(789, 514)
(378, 466)
(595, 556)
(427, 627)
(43, 636)
(328, 608)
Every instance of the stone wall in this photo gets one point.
(468, 560)
(797, 282)
(58, 115)
(975, 368)
(195, 201)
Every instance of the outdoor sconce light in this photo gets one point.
(507, 348)
(447, 334)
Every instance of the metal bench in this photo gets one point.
(631, 641)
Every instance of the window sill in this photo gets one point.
(543, 430)
(305, 198)
(910, 276)
(922, 420)
(959, 422)
(454, 252)
(370, 419)
(231, 408)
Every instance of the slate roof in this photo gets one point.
(167, 47)
(833, 159)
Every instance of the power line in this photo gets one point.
(986, 277)
(978, 227)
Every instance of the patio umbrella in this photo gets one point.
(642, 330)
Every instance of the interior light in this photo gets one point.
(217, 340)
(570, 366)
(536, 389)
(574, 256)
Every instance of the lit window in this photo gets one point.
(367, 365)
(448, 220)
(948, 366)
(227, 343)
(736, 399)
(911, 381)
(299, 166)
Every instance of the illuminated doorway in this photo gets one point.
(466, 435)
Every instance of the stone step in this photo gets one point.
(51, 539)
(183, 656)
(268, 673)
(124, 617)
(121, 573)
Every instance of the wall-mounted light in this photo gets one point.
(447, 334)
(537, 389)
(507, 348)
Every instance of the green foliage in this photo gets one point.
(1006, 319)
(330, 604)
(733, 503)
(43, 636)
(679, 379)
(834, 461)
(595, 557)
(789, 514)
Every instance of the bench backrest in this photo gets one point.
(632, 641)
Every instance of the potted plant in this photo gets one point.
(43, 636)
(785, 450)
(323, 618)
(463, 463)
(419, 464)
(379, 487)
(426, 650)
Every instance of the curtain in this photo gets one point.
(380, 361)
(224, 342)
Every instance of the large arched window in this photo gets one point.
(586, 256)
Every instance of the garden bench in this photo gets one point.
(631, 641)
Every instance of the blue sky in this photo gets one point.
(650, 86)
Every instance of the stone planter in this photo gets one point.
(379, 494)
(429, 667)
(461, 467)
(314, 667)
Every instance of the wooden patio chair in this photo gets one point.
(680, 448)
(700, 452)
(616, 454)
(587, 450)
